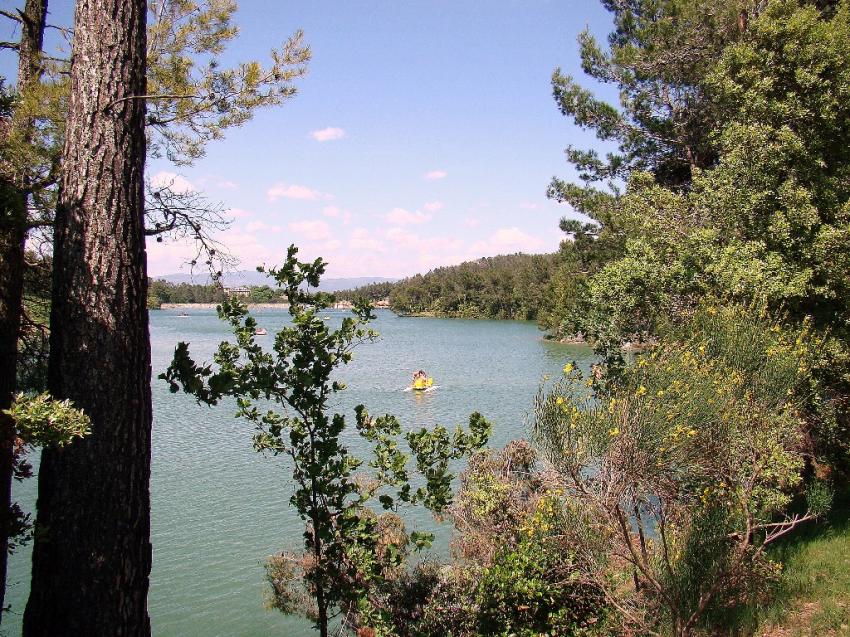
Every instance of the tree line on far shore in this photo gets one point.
(160, 292)
(511, 286)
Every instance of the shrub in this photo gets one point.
(687, 464)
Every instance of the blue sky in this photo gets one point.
(439, 134)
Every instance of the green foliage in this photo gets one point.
(532, 590)
(503, 287)
(689, 463)
(765, 222)
(372, 292)
(658, 56)
(39, 421)
(350, 551)
(42, 421)
(193, 97)
(262, 294)
(516, 568)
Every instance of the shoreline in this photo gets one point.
(261, 306)
(212, 306)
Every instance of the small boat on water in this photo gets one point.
(422, 385)
(182, 315)
(261, 331)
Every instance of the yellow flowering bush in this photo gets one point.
(687, 461)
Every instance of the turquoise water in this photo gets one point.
(219, 508)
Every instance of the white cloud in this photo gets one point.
(227, 185)
(172, 181)
(168, 257)
(238, 213)
(527, 205)
(251, 251)
(434, 206)
(402, 217)
(336, 212)
(328, 134)
(472, 222)
(401, 237)
(313, 230)
(293, 191)
(362, 239)
(259, 226)
(431, 175)
(507, 241)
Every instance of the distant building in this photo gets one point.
(382, 303)
(237, 290)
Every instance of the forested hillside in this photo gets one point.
(511, 286)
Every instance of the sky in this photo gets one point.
(425, 134)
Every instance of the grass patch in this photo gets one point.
(813, 597)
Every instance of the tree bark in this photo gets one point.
(13, 224)
(92, 554)
(11, 293)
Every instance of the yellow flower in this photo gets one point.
(702, 349)
(568, 368)
(659, 393)
(559, 401)
(614, 432)
(692, 433)
(640, 391)
(711, 311)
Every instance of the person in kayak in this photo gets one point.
(421, 380)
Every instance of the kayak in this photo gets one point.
(423, 384)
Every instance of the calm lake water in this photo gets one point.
(219, 508)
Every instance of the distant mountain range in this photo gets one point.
(252, 277)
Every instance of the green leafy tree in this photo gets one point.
(660, 56)
(688, 466)
(262, 294)
(349, 549)
(768, 221)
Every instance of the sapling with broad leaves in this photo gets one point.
(350, 548)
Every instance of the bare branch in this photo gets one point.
(11, 16)
(178, 215)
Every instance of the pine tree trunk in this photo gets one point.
(11, 292)
(92, 554)
(13, 229)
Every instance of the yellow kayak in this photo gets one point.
(421, 384)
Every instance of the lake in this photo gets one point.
(219, 508)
